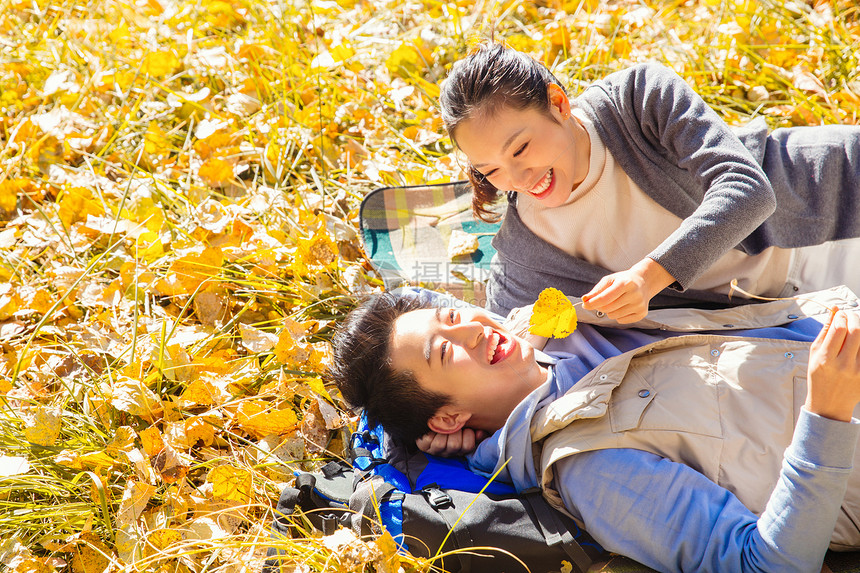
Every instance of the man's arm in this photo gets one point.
(672, 518)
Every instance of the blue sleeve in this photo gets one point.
(670, 517)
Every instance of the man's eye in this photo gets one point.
(452, 315)
(443, 348)
(519, 151)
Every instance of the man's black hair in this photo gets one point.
(362, 368)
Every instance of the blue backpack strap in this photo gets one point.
(375, 501)
(372, 465)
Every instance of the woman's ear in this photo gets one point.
(559, 105)
(448, 420)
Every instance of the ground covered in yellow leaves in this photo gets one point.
(179, 184)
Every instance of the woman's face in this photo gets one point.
(542, 153)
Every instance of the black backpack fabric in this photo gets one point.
(420, 498)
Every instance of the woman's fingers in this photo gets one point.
(598, 295)
(612, 297)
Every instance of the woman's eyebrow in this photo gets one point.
(428, 345)
(504, 147)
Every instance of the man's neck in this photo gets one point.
(543, 358)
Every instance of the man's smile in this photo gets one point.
(499, 347)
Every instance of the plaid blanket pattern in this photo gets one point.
(406, 232)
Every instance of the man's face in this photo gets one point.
(466, 355)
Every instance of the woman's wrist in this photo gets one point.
(654, 277)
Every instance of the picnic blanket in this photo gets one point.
(407, 233)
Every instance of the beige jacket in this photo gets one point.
(718, 404)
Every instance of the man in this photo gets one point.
(665, 442)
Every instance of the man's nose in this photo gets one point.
(466, 334)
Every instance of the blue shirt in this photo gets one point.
(665, 514)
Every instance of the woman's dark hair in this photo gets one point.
(488, 78)
(362, 368)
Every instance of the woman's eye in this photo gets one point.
(452, 315)
(522, 148)
(444, 348)
(490, 173)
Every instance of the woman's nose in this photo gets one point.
(521, 178)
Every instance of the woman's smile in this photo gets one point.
(544, 187)
(542, 153)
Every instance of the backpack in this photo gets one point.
(419, 498)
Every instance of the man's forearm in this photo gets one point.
(672, 518)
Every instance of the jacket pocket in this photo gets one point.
(650, 400)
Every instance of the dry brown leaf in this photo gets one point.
(257, 340)
(135, 498)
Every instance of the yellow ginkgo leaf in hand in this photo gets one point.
(553, 315)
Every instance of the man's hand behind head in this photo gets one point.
(834, 368)
(459, 443)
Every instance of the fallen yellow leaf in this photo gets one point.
(191, 270)
(76, 203)
(258, 419)
(134, 500)
(90, 554)
(160, 64)
(216, 172)
(159, 540)
(9, 191)
(42, 426)
(230, 484)
(151, 440)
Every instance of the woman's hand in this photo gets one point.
(625, 296)
(449, 445)
(834, 368)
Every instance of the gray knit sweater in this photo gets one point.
(742, 188)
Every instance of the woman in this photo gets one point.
(637, 185)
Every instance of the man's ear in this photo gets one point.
(559, 105)
(448, 420)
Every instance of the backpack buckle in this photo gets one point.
(437, 498)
